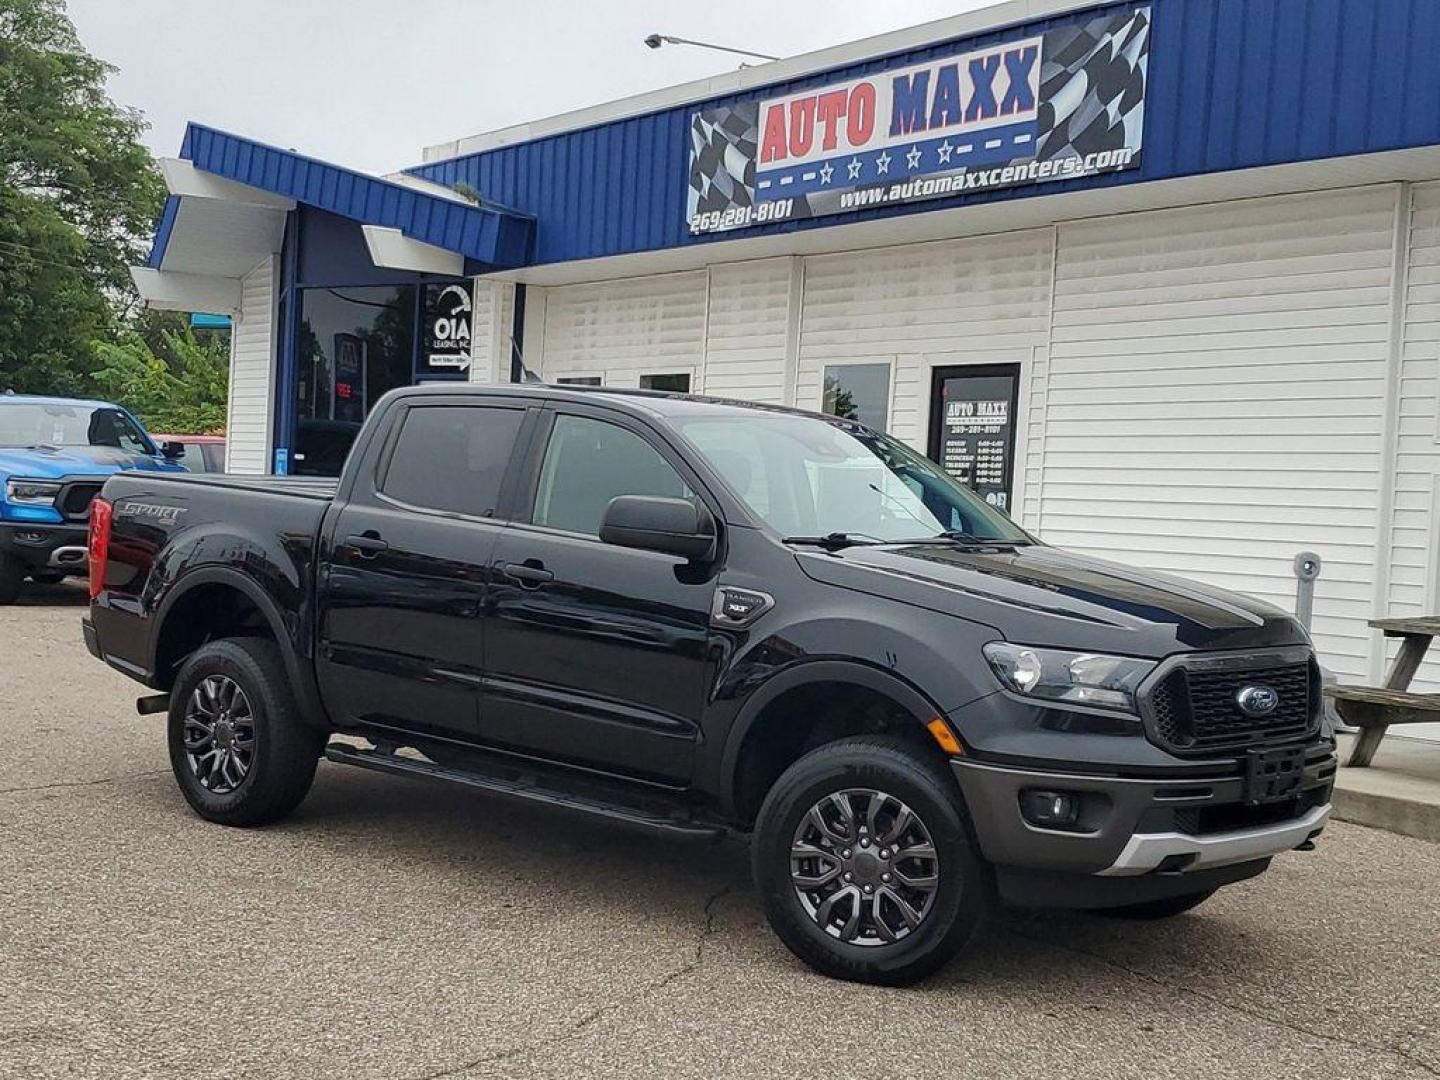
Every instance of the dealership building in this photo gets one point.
(1161, 279)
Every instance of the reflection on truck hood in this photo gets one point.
(1046, 596)
(53, 463)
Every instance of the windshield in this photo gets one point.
(810, 477)
(33, 424)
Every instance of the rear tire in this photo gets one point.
(1158, 909)
(12, 577)
(864, 928)
(238, 748)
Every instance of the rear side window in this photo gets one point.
(590, 462)
(453, 457)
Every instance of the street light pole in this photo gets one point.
(654, 41)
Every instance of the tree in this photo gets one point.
(78, 197)
(185, 395)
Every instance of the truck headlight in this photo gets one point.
(31, 492)
(1077, 678)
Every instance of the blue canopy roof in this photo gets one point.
(496, 237)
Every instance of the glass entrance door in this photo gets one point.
(972, 428)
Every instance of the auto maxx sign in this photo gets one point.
(1063, 104)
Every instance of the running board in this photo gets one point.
(525, 787)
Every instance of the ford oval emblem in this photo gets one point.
(1257, 700)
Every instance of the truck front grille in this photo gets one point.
(75, 498)
(1193, 707)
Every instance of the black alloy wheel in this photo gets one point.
(866, 864)
(219, 734)
(864, 867)
(239, 747)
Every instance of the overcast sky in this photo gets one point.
(368, 83)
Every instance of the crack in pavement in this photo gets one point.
(576, 1029)
(81, 783)
(1239, 1010)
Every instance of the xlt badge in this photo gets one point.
(736, 609)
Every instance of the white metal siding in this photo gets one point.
(620, 330)
(491, 323)
(745, 338)
(252, 374)
(1415, 531)
(922, 305)
(1216, 396)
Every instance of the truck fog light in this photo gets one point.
(1050, 809)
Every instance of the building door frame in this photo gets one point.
(1022, 360)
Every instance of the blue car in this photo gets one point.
(55, 454)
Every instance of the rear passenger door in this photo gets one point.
(596, 654)
(400, 632)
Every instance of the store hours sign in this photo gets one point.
(1056, 106)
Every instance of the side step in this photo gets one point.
(517, 783)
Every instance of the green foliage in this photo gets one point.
(78, 196)
(183, 396)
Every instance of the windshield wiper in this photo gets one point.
(955, 536)
(835, 541)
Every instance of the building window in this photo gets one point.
(858, 392)
(578, 380)
(355, 344)
(676, 383)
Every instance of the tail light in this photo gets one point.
(101, 515)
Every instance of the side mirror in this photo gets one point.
(670, 526)
(172, 451)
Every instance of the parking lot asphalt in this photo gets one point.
(401, 929)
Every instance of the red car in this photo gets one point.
(198, 453)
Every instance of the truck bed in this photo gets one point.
(305, 487)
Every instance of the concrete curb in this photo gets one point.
(1400, 792)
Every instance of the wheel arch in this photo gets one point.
(208, 583)
(766, 710)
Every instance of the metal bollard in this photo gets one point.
(1307, 569)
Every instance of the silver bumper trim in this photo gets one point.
(67, 558)
(1145, 851)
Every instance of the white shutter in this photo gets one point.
(1415, 524)
(252, 374)
(986, 295)
(1215, 397)
(621, 329)
(745, 336)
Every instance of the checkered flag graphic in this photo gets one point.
(1092, 86)
(724, 144)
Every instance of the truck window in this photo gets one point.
(452, 458)
(590, 462)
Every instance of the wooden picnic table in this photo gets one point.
(1373, 710)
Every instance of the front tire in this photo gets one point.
(865, 864)
(238, 748)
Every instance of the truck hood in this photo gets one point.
(50, 463)
(1040, 595)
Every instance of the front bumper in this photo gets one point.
(43, 546)
(1134, 826)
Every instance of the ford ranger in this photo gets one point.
(54, 455)
(696, 616)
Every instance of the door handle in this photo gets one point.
(530, 574)
(367, 545)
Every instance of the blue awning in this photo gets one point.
(494, 237)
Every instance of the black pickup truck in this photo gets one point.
(697, 616)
